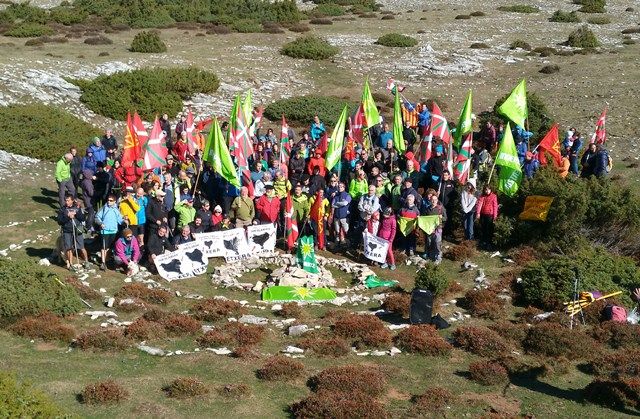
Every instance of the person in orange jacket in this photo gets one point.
(317, 160)
(268, 206)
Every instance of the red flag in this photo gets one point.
(140, 130)
(358, 123)
(131, 152)
(200, 126)
(291, 224)
(350, 146)
(439, 126)
(551, 144)
(600, 136)
(191, 142)
(317, 214)
(155, 149)
(463, 161)
(323, 144)
(256, 123)
(240, 136)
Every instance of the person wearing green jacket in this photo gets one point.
(63, 178)
(242, 209)
(359, 186)
(301, 206)
(185, 211)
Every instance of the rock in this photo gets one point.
(542, 316)
(102, 290)
(397, 326)
(378, 353)
(251, 319)
(44, 262)
(339, 301)
(219, 351)
(298, 330)
(276, 307)
(110, 302)
(258, 287)
(293, 350)
(469, 266)
(394, 351)
(151, 350)
(95, 314)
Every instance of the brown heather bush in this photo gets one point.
(480, 340)
(616, 365)
(299, 27)
(433, 400)
(181, 324)
(45, 326)
(488, 373)
(555, 366)
(245, 352)
(321, 21)
(150, 295)
(332, 347)
(235, 391)
(186, 387)
(529, 313)
(550, 69)
(513, 332)
(461, 252)
(614, 394)
(555, 340)
(363, 330)
(398, 302)
(218, 30)
(338, 405)
(280, 368)
(350, 379)
(142, 329)
(617, 335)
(155, 315)
(454, 288)
(104, 339)
(422, 339)
(291, 310)
(523, 254)
(245, 334)
(98, 40)
(103, 392)
(485, 304)
(462, 17)
(214, 338)
(213, 309)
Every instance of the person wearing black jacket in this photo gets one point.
(156, 215)
(165, 125)
(296, 167)
(316, 182)
(447, 197)
(76, 168)
(71, 219)
(110, 143)
(205, 214)
(409, 135)
(157, 244)
(101, 185)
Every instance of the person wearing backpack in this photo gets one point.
(602, 161)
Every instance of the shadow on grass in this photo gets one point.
(39, 253)
(47, 197)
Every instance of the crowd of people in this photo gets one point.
(133, 216)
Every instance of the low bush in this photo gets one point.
(513, 332)
(387, 17)
(147, 42)
(333, 404)
(103, 339)
(84, 291)
(433, 400)
(302, 109)
(599, 20)
(25, 12)
(614, 394)
(484, 304)
(321, 21)
(147, 90)
(280, 368)
(98, 40)
(583, 37)
(246, 26)
(488, 373)
(299, 27)
(519, 43)
(617, 335)
(350, 379)
(422, 339)
(363, 330)
(554, 340)
(214, 309)
(245, 334)
(67, 16)
(432, 278)
(155, 315)
(30, 289)
(477, 14)
(479, 45)
(616, 365)
(523, 255)
(45, 326)
(129, 305)
(327, 9)
(480, 340)
(247, 352)
(564, 17)
(291, 310)
(185, 387)
(396, 40)
(519, 8)
(218, 30)
(398, 302)
(214, 338)
(629, 31)
(331, 347)
(235, 391)
(310, 48)
(466, 250)
(21, 400)
(629, 42)
(141, 291)
(591, 6)
(142, 329)
(181, 324)
(29, 30)
(463, 17)
(103, 392)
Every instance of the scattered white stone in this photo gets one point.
(219, 351)
(469, 266)
(258, 287)
(151, 350)
(102, 290)
(276, 307)
(44, 262)
(397, 326)
(95, 314)
(110, 302)
(251, 319)
(542, 316)
(496, 254)
(298, 330)
(378, 353)
(293, 350)
(394, 351)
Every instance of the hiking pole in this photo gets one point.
(75, 243)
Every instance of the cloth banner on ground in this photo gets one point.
(373, 281)
(261, 238)
(306, 256)
(284, 293)
(186, 262)
(212, 243)
(375, 248)
(536, 208)
(428, 223)
(235, 245)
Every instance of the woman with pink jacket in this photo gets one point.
(487, 212)
(387, 231)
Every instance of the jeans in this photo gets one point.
(573, 164)
(468, 219)
(64, 187)
(434, 245)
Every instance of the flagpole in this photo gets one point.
(491, 173)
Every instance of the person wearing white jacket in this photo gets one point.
(468, 202)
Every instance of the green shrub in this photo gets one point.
(519, 43)
(25, 12)
(149, 91)
(599, 20)
(30, 289)
(29, 30)
(432, 278)
(583, 37)
(147, 42)
(21, 400)
(479, 45)
(396, 40)
(309, 47)
(591, 6)
(564, 17)
(463, 17)
(42, 131)
(519, 8)
(477, 14)
(67, 16)
(246, 26)
(327, 9)
(301, 109)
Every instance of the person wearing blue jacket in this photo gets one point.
(340, 205)
(530, 165)
(574, 153)
(89, 162)
(424, 120)
(521, 148)
(317, 130)
(99, 153)
(602, 161)
(141, 215)
(109, 219)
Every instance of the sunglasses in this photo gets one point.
(111, 200)
(128, 237)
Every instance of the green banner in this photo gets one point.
(283, 293)
(373, 281)
(306, 255)
(407, 225)
(428, 223)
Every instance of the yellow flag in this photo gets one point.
(536, 208)
(407, 225)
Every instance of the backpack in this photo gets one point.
(615, 313)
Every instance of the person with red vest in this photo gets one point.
(268, 206)
(129, 174)
(487, 212)
(181, 148)
(314, 161)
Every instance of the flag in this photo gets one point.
(409, 114)
(316, 213)
(536, 208)
(428, 223)
(350, 146)
(201, 125)
(465, 124)
(291, 224)
(463, 160)
(515, 106)
(439, 126)
(235, 109)
(131, 150)
(371, 115)
(393, 87)
(288, 293)
(323, 144)
(255, 124)
(140, 130)
(425, 149)
(358, 124)
(155, 148)
(285, 146)
(306, 256)
(217, 153)
(507, 159)
(398, 139)
(407, 225)
(239, 136)
(191, 141)
(247, 107)
(600, 136)
(334, 151)
(551, 144)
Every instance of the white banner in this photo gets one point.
(212, 243)
(261, 238)
(235, 245)
(188, 261)
(375, 248)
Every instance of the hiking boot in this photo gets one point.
(103, 267)
(384, 266)
(392, 267)
(86, 265)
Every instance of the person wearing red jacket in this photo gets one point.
(181, 148)
(314, 161)
(487, 212)
(268, 206)
(129, 174)
(387, 231)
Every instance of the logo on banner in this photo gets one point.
(212, 243)
(262, 238)
(375, 248)
(235, 245)
(186, 262)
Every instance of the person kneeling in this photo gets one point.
(126, 251)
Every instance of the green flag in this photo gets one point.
(407, 225)
(306, 255)
(247, 108)
(285, 293)
(217, 153)
(237, 103)
(373, 281)
(398, 139)
(515, 106)
(428, 223)
(509, 180)
(371, 114)
(507, 158)
(336, 142)
(465, 124)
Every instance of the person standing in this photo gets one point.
(141, 215)
(242, 209)
(487, 212)
(433, 245)
(268, 206)
(63, 178)
(387, 231)
(468, 202)
(76, 167)
(109, 219)
(340, 205)
(70, 218)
